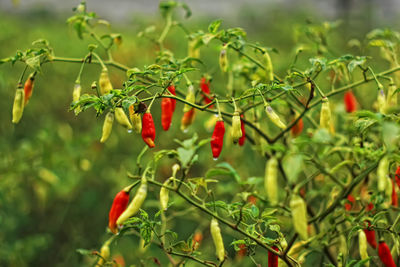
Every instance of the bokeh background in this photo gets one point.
(57, 181)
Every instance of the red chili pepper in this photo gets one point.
(350, 203)
(369, 207)
(148, 129)
(350, 102)
(394, 195)
(166, 113)
(297, 128)
(272, 258)
(242, 250)
(385, 255)
(171, 89)
(119, 204)
(205, 88)
(252, 199)
(28, 88)
(370, 236)
(397, 176)
(243, 138)
(217, 139)
(197, 238)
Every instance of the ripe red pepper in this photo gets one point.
(272, 258)
(166, 113)
(397, 176)
(148, 129)
(370, 236)
(350, 102)
(243, 138)
(205, 88)
(350, 203)
(394, 195)
(252, 199)
(197, 238)
(119, 204)
(385, 255)
(217, 139)
(297, 128)
(28, 88)
(171, 89)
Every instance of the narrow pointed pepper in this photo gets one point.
(370, 234)
(107, 126)
(18, 106)
(104, 82)
(242, 127)
(148, 129)
(217, 139)
(274, 117)
(223, 59)
(172, 90)
(217, 238)
(119, 205)
(187, 119)
(299, 216)
(190, 97)
(28, 88)
(205, 89)
(350, 102)
(166, 113)
(362, 246)
(297, 128)
(273, 258)
(271, 180)
(385, 255)
(236, 130)
(136, 120)
(122, 119)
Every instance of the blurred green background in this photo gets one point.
(57, 181)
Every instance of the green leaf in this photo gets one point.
(85, 252)
(34, 63)
(214, 26)
(358, 61)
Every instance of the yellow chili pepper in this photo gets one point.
(107, 126)
(271, 180)
(104, 82)
(122, 118)
(18, 107)
(236, 130)
(217, 238)
(299, 216)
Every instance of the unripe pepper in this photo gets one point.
(325, 120)
(217, 139)
(217, 238)
(190, 97)
(18, 106)
(166, 113)
(187, 119)
(299, 216)
(297, 128)
(193, 49)
(172, 90)
(122, 118)
(104, 254)
(268, 67)
(350, 102)
(76, 93)
(243, 138)
(205, 88)
(272, 258)
(362, 246)
(104, 82)
(148, 129)
(164, 195)
(223, 59)
(274, 117)
(119, 205)
(370, 234)
(236, 130)
(385, 255)
(381, 100)
(382, 173)
(107, 126)
(28, 88)
(136, 120)
(136, 202)
(271, 180)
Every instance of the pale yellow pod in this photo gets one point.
(271, 180)
(325, 118)
(381, 101)
(236, 130)
(388, 192)
(274, 117)
(391, 99)
(136, 120)
(164, 195)
(217, 238)
(190, 97)
(223, 59)
(299, 216)
(269, 71)
(104, 82)
(362, 246)
(136, 202)
(107, 126)
(18, 106)
(122, 118)
(104, 253)
(76, 93)
(193, 51)
(382, 173)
